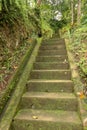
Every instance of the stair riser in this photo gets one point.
(69, 104)
(51, 75)
(51, 65)
(57, 39)
(52, 47)
(50, 87)
(51, 52)
(52, 59)
(54, 42)
(43, 125)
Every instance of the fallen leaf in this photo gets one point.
(35, 117)
(81, 95)
(15, 67)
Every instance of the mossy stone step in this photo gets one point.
(51, 65)
(54, 58)
(27, 119)
(49, 101)
(51, 74)
(56, 39)
(50, 86)
(52, 47)
(54, 42)
(52, 52)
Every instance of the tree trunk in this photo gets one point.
(72, 12)
(4, 6)
(38, 2)
(79, 12)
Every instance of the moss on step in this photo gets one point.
(49, 101)
(50, 86)
(46, 120)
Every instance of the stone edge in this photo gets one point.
(75, 75)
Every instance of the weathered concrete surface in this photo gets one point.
(51, 65)
(50, 86)
(48, 105)
(46, 120)
(51, 74)
(55, 58)
(49, 101)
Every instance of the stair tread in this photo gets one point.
(52, 70)
(55, 62)
(52, 50)
(52, 56)
(45, 80)
(48, 115)
(52, 46)
(50, 74)
(55, 95)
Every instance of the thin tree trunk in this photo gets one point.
(4, 5)
(72, 12)
(79, 12)
(38, 2)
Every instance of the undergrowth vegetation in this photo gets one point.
(20, 22)
(78, 47)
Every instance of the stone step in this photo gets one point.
(57, 39)
(55, 58)
(51, 74)
(54, 42)
(52, 52)
(49, 101)
(50, 86)
(52, 47)
(28, 119)
(51, 65)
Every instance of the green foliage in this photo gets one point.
(79, 48)
(83, 65)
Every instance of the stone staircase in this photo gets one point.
(49, 102)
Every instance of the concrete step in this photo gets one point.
(52, 52)
(57, 39)
(28, 119)
(55, 58)
(49, 101)
(51, 65)
(50, 86)
(51, 74)
(54, 42)
(52, 47)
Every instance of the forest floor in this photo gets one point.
(78, 49)
(9, 62)
(80, 56)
